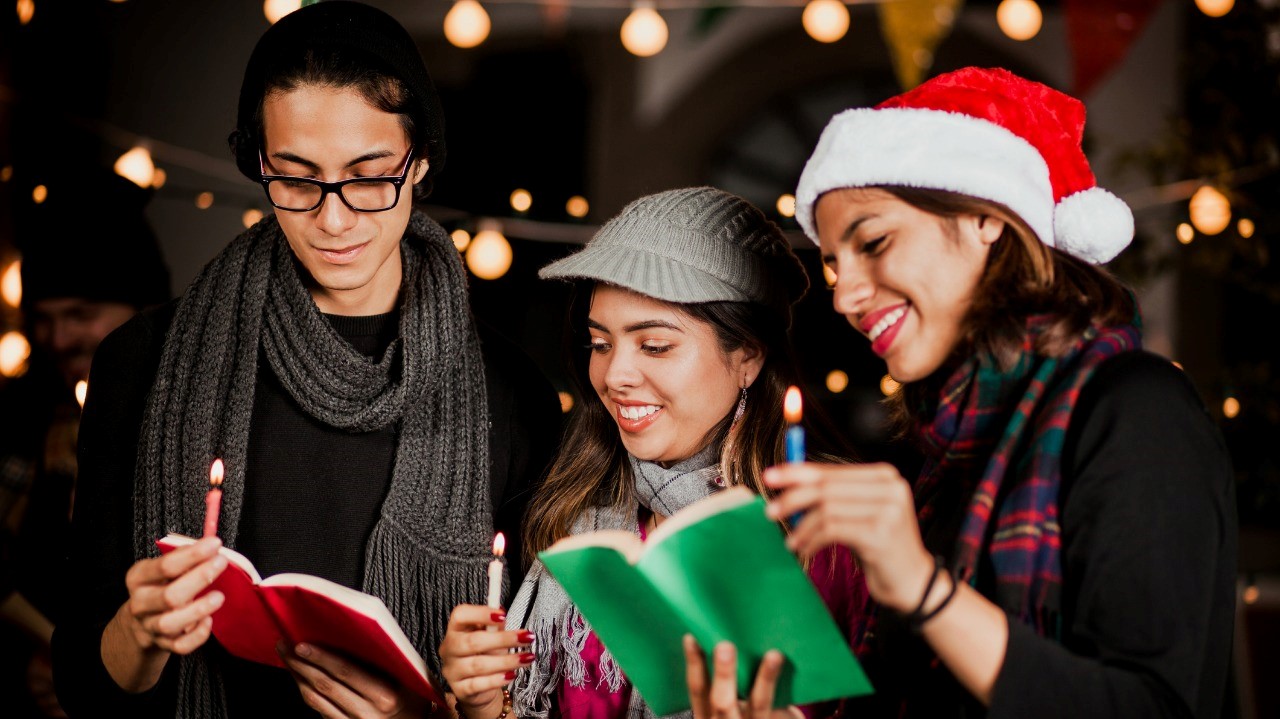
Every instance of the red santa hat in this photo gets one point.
(986, 133)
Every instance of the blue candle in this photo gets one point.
(792, 411)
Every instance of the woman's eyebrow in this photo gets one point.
(637, 326)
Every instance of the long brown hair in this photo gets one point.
(591, 468)
(1023, 278)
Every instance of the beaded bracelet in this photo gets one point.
(506, 703)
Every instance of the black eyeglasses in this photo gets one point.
(361, 194)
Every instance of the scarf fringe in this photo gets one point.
(404, 580)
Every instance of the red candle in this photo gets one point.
(213, 499)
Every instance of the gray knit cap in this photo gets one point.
(697, 244)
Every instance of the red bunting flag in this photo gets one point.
(1100, 33)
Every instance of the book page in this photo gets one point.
(624, 543)
(174, 541)
(721, 501)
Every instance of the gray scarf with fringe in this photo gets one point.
(544, 608)
(429, 549)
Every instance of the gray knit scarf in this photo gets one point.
(429, 549)
(543, 607)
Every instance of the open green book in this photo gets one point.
(719, 570)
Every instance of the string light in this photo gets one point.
(521, 200)
(489, 256)
(11, 284)
(1230, 407)
(6, 173)
(159, 178)
(137, 167)
(251, 217)
(461, 239)
(577, 206)
(889, 385)
(26, 9)
(1210, 210)
(204, 200)
(1251, 593)
(1186, 233)
(14, 351)
(566, 402)
(837, 381)
(276, 9)
(825, 20)
(467, 24)
(1215, 8)
(39, 194)
(1245, 227)
(1019, 19)
(644, 32)
(787, 205)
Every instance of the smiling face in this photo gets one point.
(905, 278)
(331, 134)
(662, 375)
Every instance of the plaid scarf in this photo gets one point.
(1001, 431)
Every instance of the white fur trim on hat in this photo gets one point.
(1093, 225)
(928, 149)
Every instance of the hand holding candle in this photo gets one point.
(495, 574)
(213, 499)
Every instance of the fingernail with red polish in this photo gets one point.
(527, 658)
(498, 616)
(509, 676)
(526, 637)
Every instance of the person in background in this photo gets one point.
(78, 284)
(678, 339)
(372, 433)
(1069, 547)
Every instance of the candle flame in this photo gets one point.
(499, 544)
(82, 391)
(216, 473)
(792, 406)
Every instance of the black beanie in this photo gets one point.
(345, 27)
(90, 240)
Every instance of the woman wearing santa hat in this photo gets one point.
(1069, 546)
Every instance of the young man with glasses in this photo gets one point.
(372, 434)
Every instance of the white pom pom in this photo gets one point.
(1093, 225)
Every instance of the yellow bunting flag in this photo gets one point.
(913, 29)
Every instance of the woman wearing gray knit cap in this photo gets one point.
(373, 434)
(679, 330)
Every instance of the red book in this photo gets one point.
(296, 608)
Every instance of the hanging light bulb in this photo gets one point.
(889, 385)
(466, 24)
(6, 173)
(1186, 233)
(461, 239)
(787, 205)
(1245, 227)
(14, 351)
(837, 381)
(26, 9)
(1019, 19)
(204, 200)
(644, 32)
(577, 207)
(489, 255)
(1215, 8)
(11, 284)
(521, 200)
(1210, 210)
(1230, 407)
(276, 9)
(136, 166)
(39, 194)
(825, 20)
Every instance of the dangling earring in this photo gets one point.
(742, 405)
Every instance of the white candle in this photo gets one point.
(495, 571)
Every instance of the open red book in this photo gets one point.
(259, 612)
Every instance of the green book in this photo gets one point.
(719, 570)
